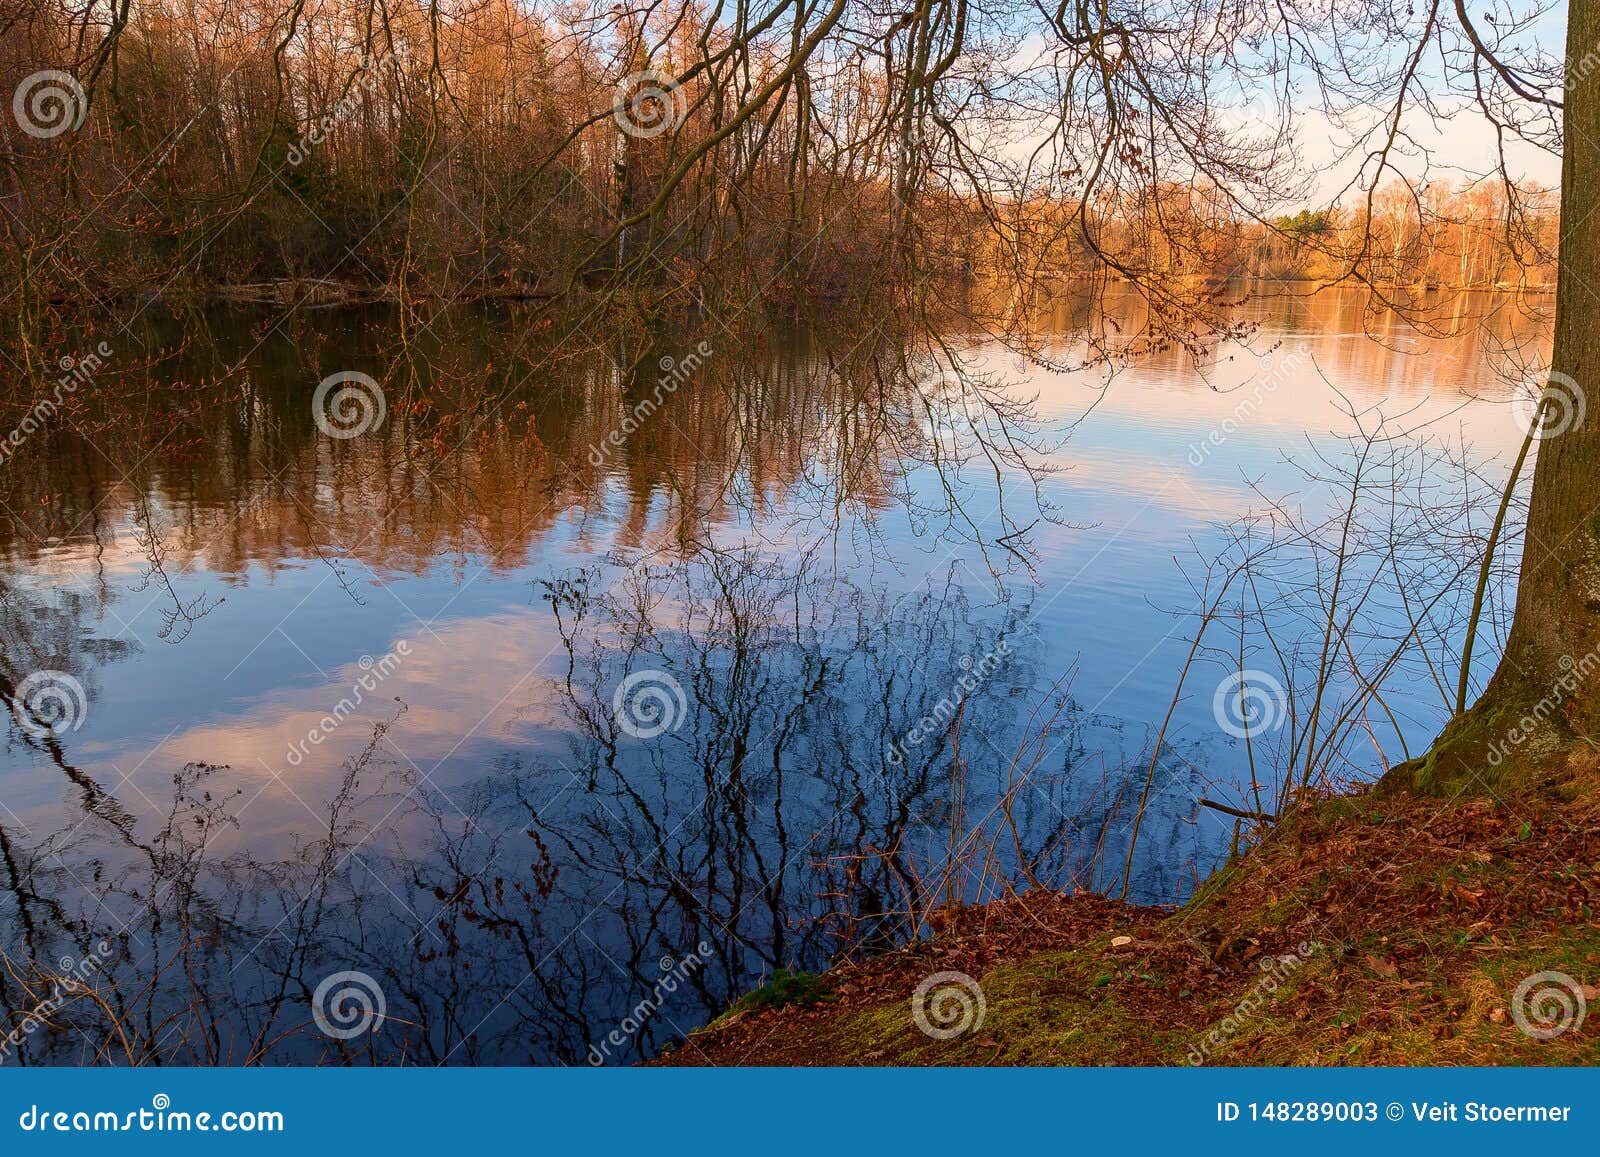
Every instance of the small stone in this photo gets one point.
(1121, 941)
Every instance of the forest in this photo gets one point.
(799, 532)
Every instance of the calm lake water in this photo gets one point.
(561, 741)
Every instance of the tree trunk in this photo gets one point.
(1546, 692)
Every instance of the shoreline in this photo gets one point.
(1371, 929)
(320, 293)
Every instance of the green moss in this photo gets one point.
(1408, 980)
(1459, 762)
(785, 988)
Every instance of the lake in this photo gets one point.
(566, 698)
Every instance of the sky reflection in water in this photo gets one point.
(479, 834)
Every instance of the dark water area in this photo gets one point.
(549, 714)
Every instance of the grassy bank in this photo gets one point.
(1368, 930)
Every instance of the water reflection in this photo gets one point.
(482, 455)
(793, 803)
(353, 704)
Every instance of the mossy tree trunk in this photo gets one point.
(1545, 695)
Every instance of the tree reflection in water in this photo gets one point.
(823, 757)
(780, 817)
